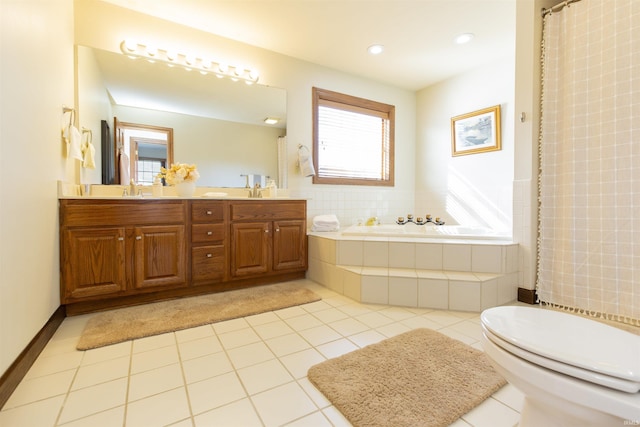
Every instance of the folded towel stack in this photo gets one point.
(325, 223)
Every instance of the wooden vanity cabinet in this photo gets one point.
(119, 252)
(209, 242)
(268, 237)
(112, 248)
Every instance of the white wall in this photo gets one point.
(527, 101)
(36, 79)
(94, 105)
(104, 26)
(474, 189)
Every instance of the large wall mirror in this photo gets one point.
(217, 123)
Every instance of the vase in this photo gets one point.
(186, 188)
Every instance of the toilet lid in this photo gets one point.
(583, 374)
(568, 339)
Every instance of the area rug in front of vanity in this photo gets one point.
(419, 378)
(157, 318)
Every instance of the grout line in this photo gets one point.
(184, 380)
(69, 389)
(126, 394)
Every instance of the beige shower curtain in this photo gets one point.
(589, 230)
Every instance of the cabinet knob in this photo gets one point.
(121, 238)
(209, 213)
(138, 237)
(209, 233)
(209, 255)
(277, 229)
(266, 231)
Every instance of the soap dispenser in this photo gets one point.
(273, 189)
(156, 189)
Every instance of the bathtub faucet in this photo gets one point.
(419, 220)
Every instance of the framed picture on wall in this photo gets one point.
(476, 132)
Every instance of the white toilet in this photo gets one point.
(572, 370)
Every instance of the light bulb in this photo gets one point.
(464, 38)
(375, 49)
(130, 45)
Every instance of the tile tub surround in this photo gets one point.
(463, 275)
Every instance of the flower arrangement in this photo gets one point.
(179, 172)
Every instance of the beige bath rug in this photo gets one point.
(419, 378)
(157, 318)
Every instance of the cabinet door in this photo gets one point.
(289, 245)
(250, 252)
(159, 256)
(92, 262)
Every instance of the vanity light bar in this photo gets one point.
(188, 62)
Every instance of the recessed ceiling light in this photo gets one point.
(271, 120)
(375, 49)
(464, 38)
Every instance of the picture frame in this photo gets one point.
(476, 132)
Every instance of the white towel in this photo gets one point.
(305, 162)
(88, 153)
(73, 138)
(124, 169)
(325, 223)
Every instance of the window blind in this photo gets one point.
(353, 143)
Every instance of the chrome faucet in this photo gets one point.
(419, 220)
(256, 192)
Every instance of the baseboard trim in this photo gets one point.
(19, 368)
(528, 296)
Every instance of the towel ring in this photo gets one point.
(90, 137)
(72, 116)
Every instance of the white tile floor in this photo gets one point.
(244, 372)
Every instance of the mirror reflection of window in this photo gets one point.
(151, 156)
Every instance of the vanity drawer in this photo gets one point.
(209, 211)
(266, 210)
(90, 213)
(207, 233)
(208, 264)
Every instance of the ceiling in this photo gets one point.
(418, 35)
